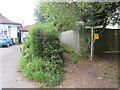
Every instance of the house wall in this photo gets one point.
(11, 30)
(71, 38)
(3, 28)
(14, 31)
(23, 35)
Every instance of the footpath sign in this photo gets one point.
(96, 36)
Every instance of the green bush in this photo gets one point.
(75, 56)
(85, 39)
(36, 41)
(42, 56)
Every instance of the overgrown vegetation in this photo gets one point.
(75, 56)
(74, 15)
(42, 58)
(68, 15)
(85, 41)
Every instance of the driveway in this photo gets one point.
(8, 62)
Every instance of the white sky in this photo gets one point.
(21, 11)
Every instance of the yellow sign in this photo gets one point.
(96, 36)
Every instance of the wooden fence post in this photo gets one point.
(92, 43)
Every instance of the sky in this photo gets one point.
(21, 11)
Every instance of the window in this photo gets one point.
(9, 30)
(9, 27)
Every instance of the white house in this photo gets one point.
(24, 32)
(8, 27)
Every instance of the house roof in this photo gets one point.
(4, 20)
(26, 28)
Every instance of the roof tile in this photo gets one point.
(26, 28)
(4, 20)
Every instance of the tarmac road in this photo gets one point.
(11, 78)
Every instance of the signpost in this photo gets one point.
(92, 43)
(94, 36)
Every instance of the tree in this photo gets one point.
(76, 15)
(69, 15)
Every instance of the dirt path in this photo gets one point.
(85, 74)
(10, 77)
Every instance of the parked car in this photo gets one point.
(5, 40)
(11, 39)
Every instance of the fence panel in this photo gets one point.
(71, 38)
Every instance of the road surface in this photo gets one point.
(8, 62)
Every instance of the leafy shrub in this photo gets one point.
(36, 41)
(85, 39)
(42, 58)
(75, 56)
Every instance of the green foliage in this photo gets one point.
(75, 56)
(67, 48)
(68, 15)
(36, 40)
(42, 58)
(45, 72)
(74, 15)
(85, 45)
(85, 41)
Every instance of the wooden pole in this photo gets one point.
(92, 43)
